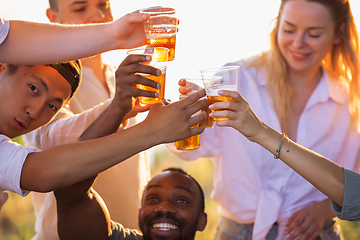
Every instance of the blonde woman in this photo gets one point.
(305, 86)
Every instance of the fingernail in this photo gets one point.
(211, 106)
(156, 94)
(220, 92)
(148, 58)
(210, 114)
(158, 85)
(158, 73)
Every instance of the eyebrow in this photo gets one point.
(309, 28)
(177, 187)
(77, 2)
(43, 83)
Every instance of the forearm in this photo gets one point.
(49, 45)
(64, 128)
(107, 123)
(64, 165)
(324, 174)
(86, 218)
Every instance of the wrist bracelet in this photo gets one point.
(277, 153)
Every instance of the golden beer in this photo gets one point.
(189, 143)
(161, 91)
(214, 99)
(209, 122)
(167, 41)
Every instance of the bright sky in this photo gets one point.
(211, 33)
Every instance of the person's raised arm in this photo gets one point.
(68, 164)
(324, 174)
(41, 43)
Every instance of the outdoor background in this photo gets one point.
(211, 33)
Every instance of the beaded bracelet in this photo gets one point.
(277, 153)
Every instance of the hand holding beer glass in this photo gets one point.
(159, 57)
(217, 79)
(195, 84)
(161, 28)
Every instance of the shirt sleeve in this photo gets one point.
(12, 158)
(4, 29)
(65, 128)
(118, 232)
(351, 203)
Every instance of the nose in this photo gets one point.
(165, 208)
(299, 39)
(97, 16)
(34, 108)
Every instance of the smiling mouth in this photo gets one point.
(164, 226)
(299, 55)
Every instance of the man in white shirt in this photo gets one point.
(98, 85)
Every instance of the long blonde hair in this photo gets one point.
(342, 63)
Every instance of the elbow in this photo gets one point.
(38, 182)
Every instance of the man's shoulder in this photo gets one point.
(119, 233)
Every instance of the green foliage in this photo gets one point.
(17, 218)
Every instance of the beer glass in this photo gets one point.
(159, 57)
(196, 84)
(189, 143)
(216, 79)
(161, 28)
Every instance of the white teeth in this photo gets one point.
(165, 226)
(299, 55)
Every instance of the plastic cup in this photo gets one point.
(196, 84)
(159, 57)
(161, 28)
(216, 79)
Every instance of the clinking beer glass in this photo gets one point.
(161, 28)
(159, 57)
(189, 143)
(195, 83)
(216, 79)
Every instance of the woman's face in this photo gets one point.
(306, 34)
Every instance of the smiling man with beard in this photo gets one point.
(172, 207)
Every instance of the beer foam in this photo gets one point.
(213, 90)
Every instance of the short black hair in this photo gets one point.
(70, 70)
(180, 170)
(54, 5)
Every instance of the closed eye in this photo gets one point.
(80, 9)
(288, 31)
(105, 4)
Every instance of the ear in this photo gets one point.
(202, 221)
(337, 38)
(52, 15)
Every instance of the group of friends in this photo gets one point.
(285, 164)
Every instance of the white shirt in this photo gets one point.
(120, 186)
(12, 158)
(4, 29)
(251, 186)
